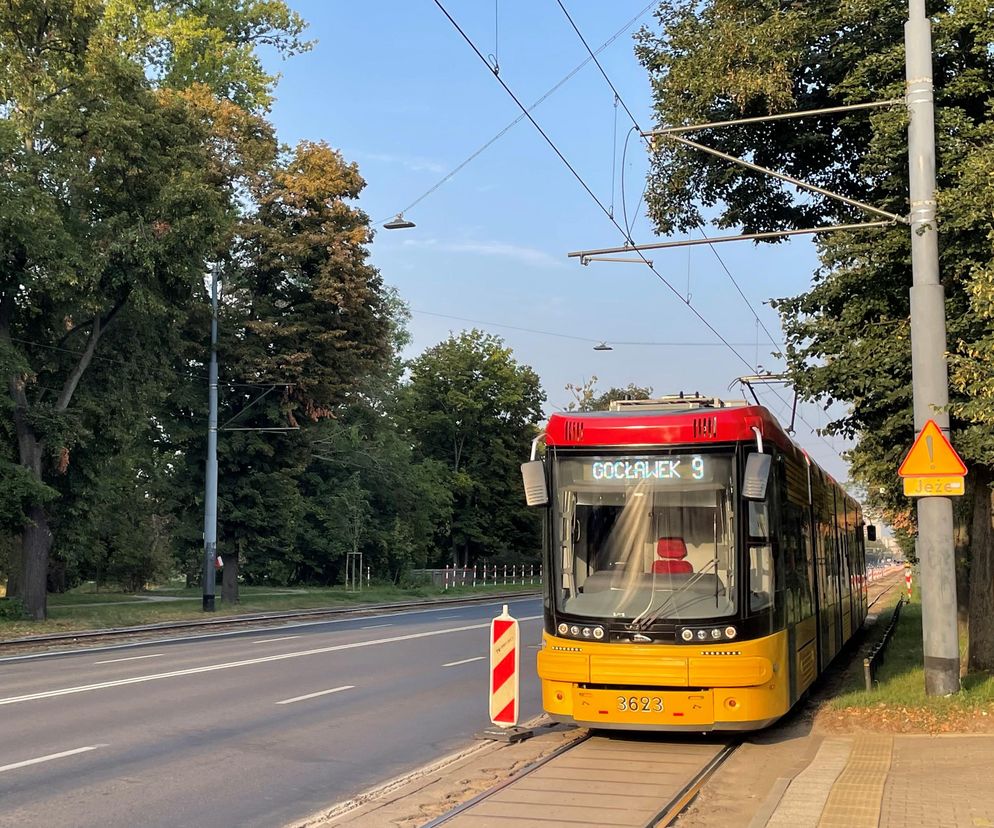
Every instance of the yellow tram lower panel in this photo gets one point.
(739, 685)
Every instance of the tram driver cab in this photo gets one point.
(648, 550)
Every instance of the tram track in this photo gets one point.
(600, 779)
(887, 587)
(565, 774)
(12, 646)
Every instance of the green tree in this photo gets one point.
(306, 312)
(586, 398)
(472, 407)
(110, 200)
(848, 337)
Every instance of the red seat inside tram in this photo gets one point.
(671, 553)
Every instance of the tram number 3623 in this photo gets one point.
(640, 704)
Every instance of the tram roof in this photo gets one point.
(661, 428)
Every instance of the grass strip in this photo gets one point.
(87, 611)
(899, 702)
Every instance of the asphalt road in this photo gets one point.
(247, 729)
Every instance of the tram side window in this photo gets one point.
(807, 568)
(761, 583)
(797, 569)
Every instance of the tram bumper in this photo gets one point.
(604, 686)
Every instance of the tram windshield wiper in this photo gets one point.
(644, 620)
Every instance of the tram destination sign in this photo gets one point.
(677, 468)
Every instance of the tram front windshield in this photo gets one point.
(644, 537)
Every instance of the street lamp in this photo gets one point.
(398, 222)
(603, 346)
(210, 497)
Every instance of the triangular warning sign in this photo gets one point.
(932, 456)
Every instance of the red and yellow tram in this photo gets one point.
(701, 570)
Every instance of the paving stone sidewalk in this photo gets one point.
(884, 781)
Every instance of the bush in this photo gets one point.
(11, 609)
(414, 580)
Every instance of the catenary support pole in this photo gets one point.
(210, 495)
(928, 360)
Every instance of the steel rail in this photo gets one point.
(53, 638)
(882, 593)
(525, 771)
(665, 816)
(688, 792)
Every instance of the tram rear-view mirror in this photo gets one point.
(871, 532)
(757, 475)
(533, 475)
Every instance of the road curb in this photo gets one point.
(409, 797)
(76, 635)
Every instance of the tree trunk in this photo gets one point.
(981, 652)
(229, 577)
(35, 545)
(36, 539)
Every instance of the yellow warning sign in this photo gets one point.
(932, 456)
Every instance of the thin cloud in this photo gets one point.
(525, 255)
(416, 163)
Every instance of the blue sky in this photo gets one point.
(395, 87)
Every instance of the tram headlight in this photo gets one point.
(585, 631)
(691, 635)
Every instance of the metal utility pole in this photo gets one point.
(928, 361)
(210, 495)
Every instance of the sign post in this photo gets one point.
(930, 386)
(907, 579)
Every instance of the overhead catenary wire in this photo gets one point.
(634, 120)
(815, 431)
(614, 153)
(629, 226)
(572, 336)
(635, 124)
(552, 90)
(587, 188)
(596, 200)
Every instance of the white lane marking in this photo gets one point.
(210, 668)
(49, 758)
(374, 626)
(132, 658)
(183, 639)
(464, 661)
(315, 695)
(443, 617)
(271, 640)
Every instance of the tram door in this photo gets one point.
(828, 579)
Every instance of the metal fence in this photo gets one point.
(485, 574)
(876, 656)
